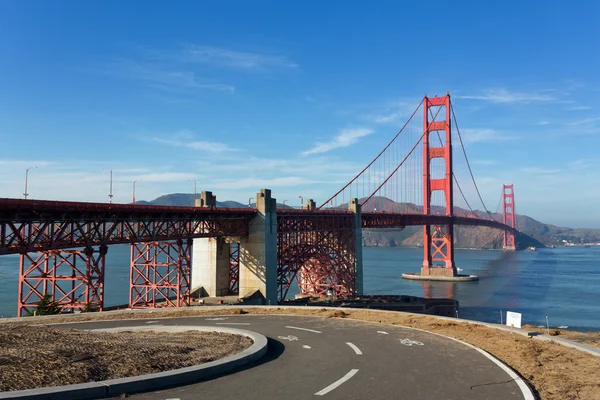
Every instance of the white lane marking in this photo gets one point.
(217, 319)
(151, 322)
(356, 349)
(232, 323)
(382, 332)
(305, 347)
(337, 383)
(303, 329)
(291, 338)
(409, 342)
(527, 395)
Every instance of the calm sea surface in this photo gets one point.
(562, 283)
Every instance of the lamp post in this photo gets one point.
(250, 201)
(193, 180)
(301, 201)
(26, 179)
(139, 180)
(110, 194)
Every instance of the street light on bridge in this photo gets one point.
(250, 202)
(110, 194)
(139, 180)
(301, 201)
(193, 180)
(26, 179)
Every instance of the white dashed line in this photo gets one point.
(382, 332)
(303, 329)
(356, 349)
(232, 323)
(305, 346)
(217, 319)
(337, 383)
(151, 322)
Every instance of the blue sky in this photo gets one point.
(296, 97)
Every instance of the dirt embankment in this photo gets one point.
(38, 356)
(555, 372)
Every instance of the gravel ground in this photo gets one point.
(38, 356)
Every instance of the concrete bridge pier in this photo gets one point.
(210, 259)
(355, 207)
(258, 251)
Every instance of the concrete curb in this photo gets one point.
(155, 313)
(160, 380)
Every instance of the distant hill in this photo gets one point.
(187, 200)
(532, 232)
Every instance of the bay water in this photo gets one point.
(562, 283)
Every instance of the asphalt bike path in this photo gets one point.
(316, 357)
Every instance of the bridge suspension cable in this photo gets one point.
(468, 164)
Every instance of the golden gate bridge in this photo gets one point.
(177, 250)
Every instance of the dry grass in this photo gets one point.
(556, 372)
(38, 356)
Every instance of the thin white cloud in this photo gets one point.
(166, 77)
(542, 123)
(345, 138)
(234, 59)
(584, 121)
(579, 108)
(188, 139)
(485, 162)
(391, 113)
(474, 135)
(505, 96)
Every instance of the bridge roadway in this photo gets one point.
(35, 225)
(312, 357)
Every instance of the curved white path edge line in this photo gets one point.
(527, 394)
(337, 383)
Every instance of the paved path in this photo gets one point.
(314, 357)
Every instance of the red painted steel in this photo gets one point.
(234, 267)
(509, 216)
(316, 249)
(33, 225)
(438, 246)
(160, 274)
(73, 278)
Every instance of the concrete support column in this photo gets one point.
(210, 259)
(309, 205)
(258, 252)
(354, 206)
(210, 266)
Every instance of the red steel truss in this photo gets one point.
(509, 216)
(160, 274)
(317, 249)
(73, 278)
(234, 267)
(35, 225)
(438, 246)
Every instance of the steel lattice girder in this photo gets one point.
(304, 238)
(59, 274)
(31, 225)
(372, 220)
(234, 267)
(160, 274)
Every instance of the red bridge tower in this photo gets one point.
(438, 240)
(508, 216)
